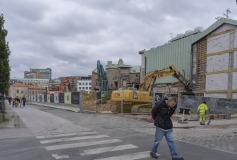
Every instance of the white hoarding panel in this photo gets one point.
(217, 82)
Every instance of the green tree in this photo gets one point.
(4, 58)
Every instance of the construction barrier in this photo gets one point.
(216, 105)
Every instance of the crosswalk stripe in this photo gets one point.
(67, 134)
(56, 156)
(72, 139)
(132, 156)
(82, 144)
(107, 149)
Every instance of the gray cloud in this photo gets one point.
(69, 36)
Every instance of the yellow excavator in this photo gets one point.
(144, 92)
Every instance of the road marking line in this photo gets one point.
(132, 156)
(56, 156)
(82, 144)
(107, 149)
(72, 139)
(66, 134)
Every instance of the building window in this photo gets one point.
(17, 91)
(22, 92)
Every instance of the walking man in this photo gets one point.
(161, 114)
(24, 101)
(202, 110)
(10, 100)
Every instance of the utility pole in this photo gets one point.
(227, 13)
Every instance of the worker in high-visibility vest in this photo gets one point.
(202, 110)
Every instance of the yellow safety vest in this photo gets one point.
(202, 108)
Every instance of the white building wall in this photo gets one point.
(234, 95)
(234, 82)
(218, 43)
(234, 85)
(224, 28)
(84, 85)
(217, 82)
(235, 59)
(235, 41)
(221, 62)
(217, 63)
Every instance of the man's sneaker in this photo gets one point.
(177, 158)
(153, 155)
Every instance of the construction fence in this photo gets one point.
(78, 99)
(67, 98)
(216, 105)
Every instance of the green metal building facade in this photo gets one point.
(178, 53)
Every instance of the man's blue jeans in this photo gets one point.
(169, 139)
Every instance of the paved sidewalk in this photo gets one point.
(187, 124)
(68, 107)
(11, 118)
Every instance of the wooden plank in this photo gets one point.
(220, 33)
(222, 52)
(221, 91)
(223, 71)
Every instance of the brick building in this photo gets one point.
(20, 90)
(36, 73)
(119, 75)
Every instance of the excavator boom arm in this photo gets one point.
(149, 80)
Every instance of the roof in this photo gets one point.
(35, 87)
(18, 84)
(214, 26)
(117, 66)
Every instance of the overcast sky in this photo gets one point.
(69, 36)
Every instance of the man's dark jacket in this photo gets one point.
(161, 114)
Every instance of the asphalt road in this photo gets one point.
(49, 134)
